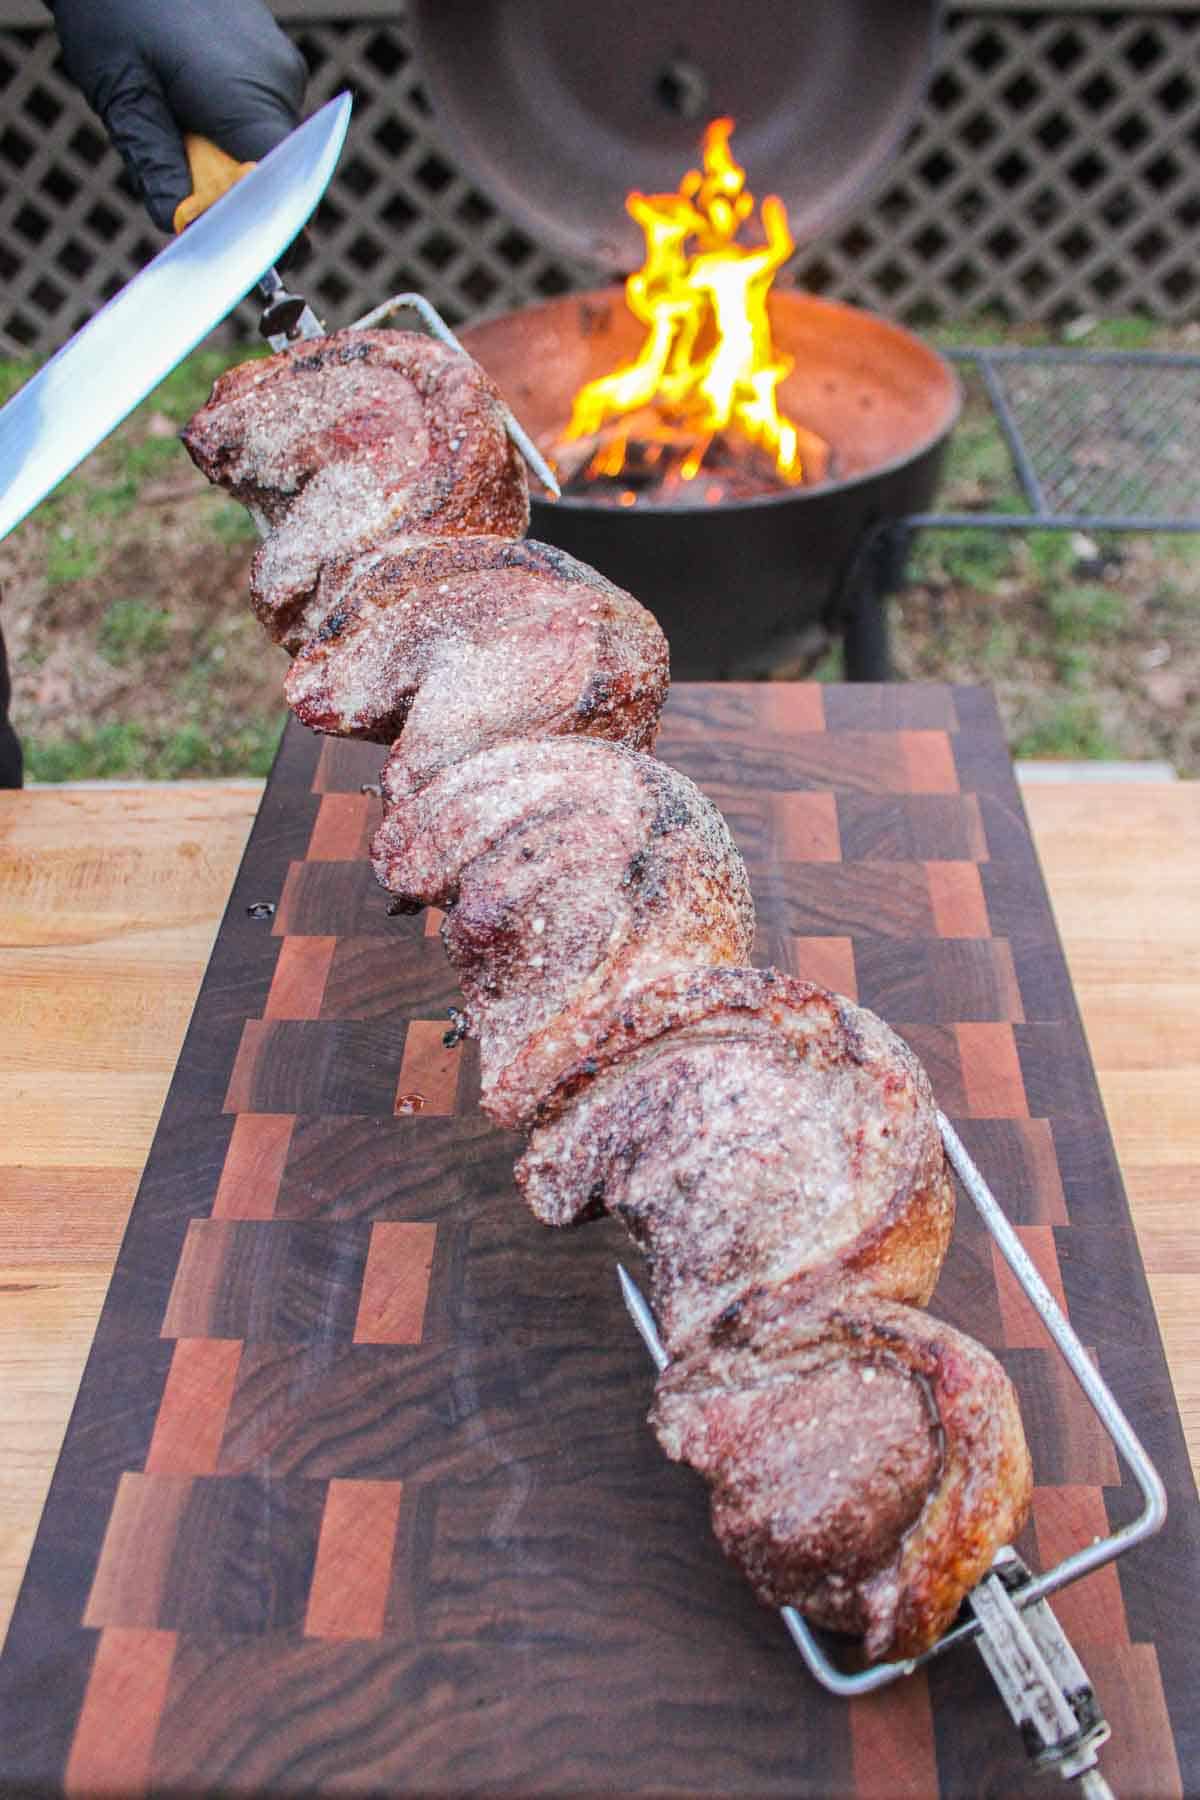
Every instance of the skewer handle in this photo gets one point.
(213, 172)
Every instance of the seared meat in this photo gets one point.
(762, 1139)
(773, 1148)
(456, 644)
(866, 1464)
(575, 872)
(338, 442)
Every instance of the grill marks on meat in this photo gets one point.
(761, 1139)
(866, 1462)
(454, 645)
(338, 442)
(575, 872)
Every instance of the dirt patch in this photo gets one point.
(1100, 659)
(132, 646)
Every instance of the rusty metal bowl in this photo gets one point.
(731, 583)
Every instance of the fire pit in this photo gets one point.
(732, 582)
(726, 453)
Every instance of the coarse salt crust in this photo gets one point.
(772, 1147)
(444, 648)
(574, 871)
(759, 1137)
(338, 441)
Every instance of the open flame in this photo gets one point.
(708, 364)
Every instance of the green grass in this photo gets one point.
(1069, 729)
(1083, 612)
(132, 464)
(1051, 556)
(232, 524)
(977, 453)
(186, 388)
(977, 559)
(131, 629)
(14, 373)
(126, 751)
(962, 334)
(1183, 545)
(70, 557)
(831, 666)
(109, 752)
(1133, 333)
(1002, 646)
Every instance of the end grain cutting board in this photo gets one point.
(358, 1494)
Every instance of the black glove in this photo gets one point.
(154, 69)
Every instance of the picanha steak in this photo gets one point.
(772, 1148)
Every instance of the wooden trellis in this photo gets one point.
(1054, 169)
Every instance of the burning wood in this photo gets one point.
(646, 456)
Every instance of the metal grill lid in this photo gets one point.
(559, 110)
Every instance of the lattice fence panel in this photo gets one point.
(401, 215)
(1055, 169)
(71, 232)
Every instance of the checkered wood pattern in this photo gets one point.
(1054, 169)
(358, 1492)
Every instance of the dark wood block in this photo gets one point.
(911, 827)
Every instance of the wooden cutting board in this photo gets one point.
(358, 1494)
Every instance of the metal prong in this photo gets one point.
(286, 317)
(1041, 1680)
(439, 329)
(643, 1318)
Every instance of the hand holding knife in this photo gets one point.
(286, 316)
(120, 355)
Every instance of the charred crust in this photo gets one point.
(725, 1326)
(852, 1037)
(594, 1207)
(338, 348)
(333, 624)
(460, 1027)
(635, 869)
(595, 696)
(635, 1224)
(672, 813)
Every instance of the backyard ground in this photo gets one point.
(134, 652)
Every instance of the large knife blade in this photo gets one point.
(118, 357)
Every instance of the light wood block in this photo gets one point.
(1122, 863)
(109, 903)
